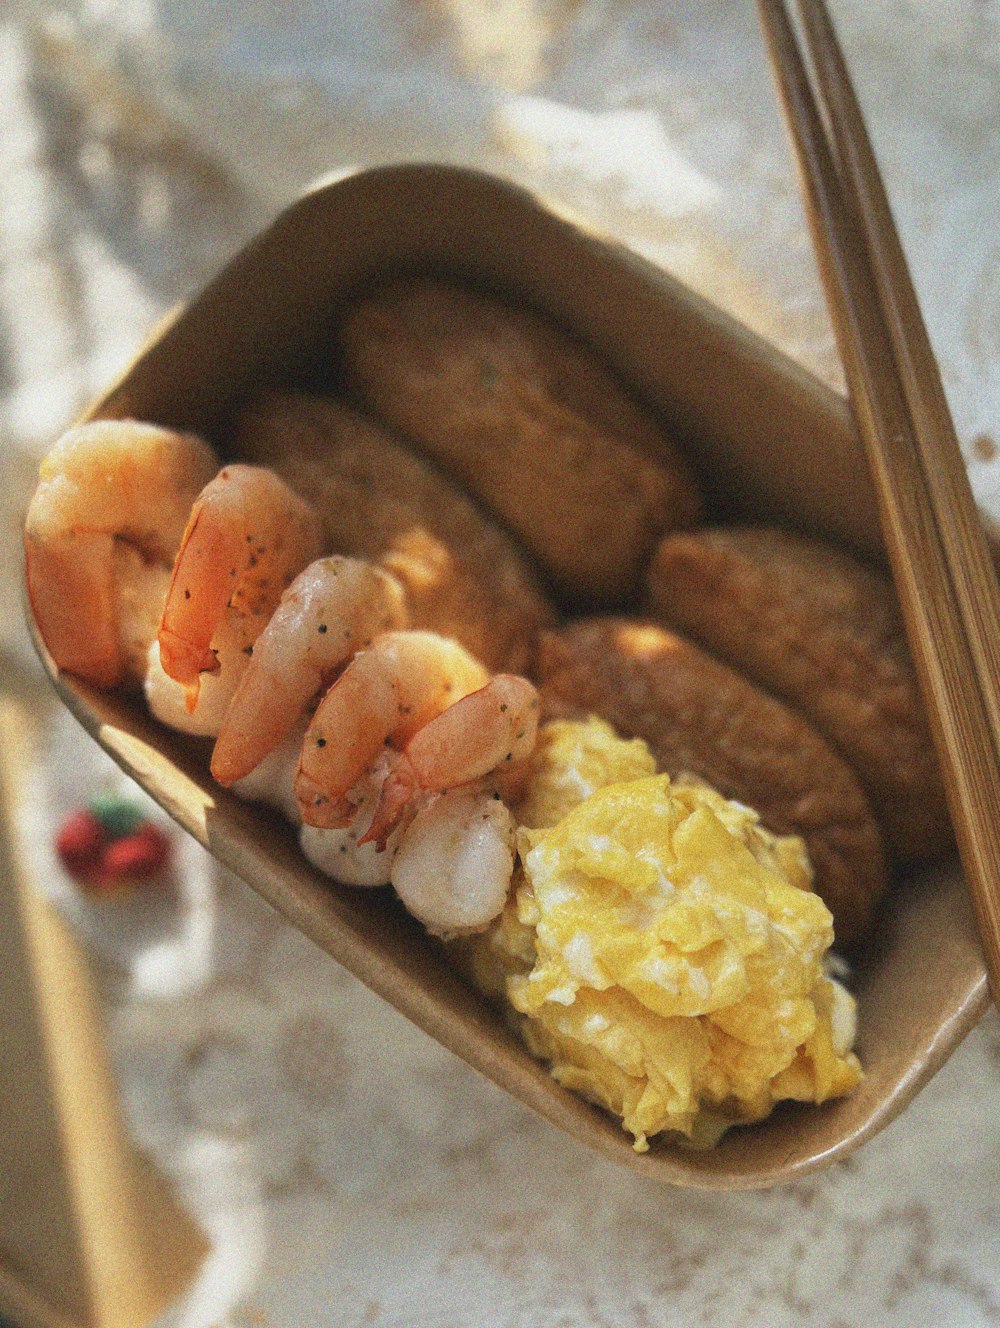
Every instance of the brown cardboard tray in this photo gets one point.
(770, 443)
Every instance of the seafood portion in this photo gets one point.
(208, 589)
(347, 853)
(392, 775)
(334, 607)
(439, 833)
(144, 565)
(490, 732)
(384, 696)
(454, 865)
(102, 529)
(247, 537)
(272, 781)
(394, 780)
(451, 863)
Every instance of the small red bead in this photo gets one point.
(79, 843)
(138, 857)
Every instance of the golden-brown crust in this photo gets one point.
(815, 627)
(529, 421)
(701, 717)
(463, 576)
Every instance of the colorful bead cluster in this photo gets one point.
(109, 845)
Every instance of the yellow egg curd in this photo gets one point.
(662, 951)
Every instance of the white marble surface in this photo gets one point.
(141, 144)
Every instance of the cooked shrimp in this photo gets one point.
(487, 730)
(111, 504)
(273, 780)
(247, 537)
(332, 609)
(345, 853)
(176, 705)
(383, 697)
(453, 866)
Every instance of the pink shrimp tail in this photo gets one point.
(190, 612)
(181, 658)
(317, 808)
(397, 791)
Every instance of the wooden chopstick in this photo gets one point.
(945, 580)
(961, 530)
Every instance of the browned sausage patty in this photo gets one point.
(700, 717)
(812, 625)
(529, 421)
(463, 575)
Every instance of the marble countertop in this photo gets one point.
(141, 146)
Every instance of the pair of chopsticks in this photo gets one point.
(943, 571)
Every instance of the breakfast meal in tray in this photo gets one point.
(461, 624)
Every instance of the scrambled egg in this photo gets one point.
(664, 952)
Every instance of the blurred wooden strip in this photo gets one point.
(89, 1232)
(961, 703)
(963, 538)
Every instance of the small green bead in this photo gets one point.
(119, 817)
